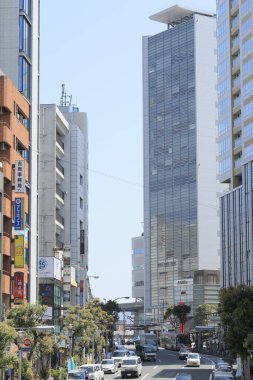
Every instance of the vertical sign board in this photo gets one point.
(19, 251)
(19, 289)
(66, 277)
(19, 176)
(19, 214)
(82, 237)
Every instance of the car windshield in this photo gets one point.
(119, 353)
(149, 349)
(183, 377)
(76, 375)
(193, 356)
(129, 362)
(89, 368)
(223, 377)
(107, 361)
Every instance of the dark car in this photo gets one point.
(183, 353)
(223, 376)
(183, 376)
(223, 367)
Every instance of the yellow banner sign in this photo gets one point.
(19, 251)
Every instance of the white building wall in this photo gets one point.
(9, 38)
(206, 134)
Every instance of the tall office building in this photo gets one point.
(235, 92)
(19, 60)
(180, 169)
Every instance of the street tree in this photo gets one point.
(87, 327)
(113, 309)
(27, 318)
(7, 336)
(177, 314)
(204, 314)
(236, 314)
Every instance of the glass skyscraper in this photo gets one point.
(180, 169)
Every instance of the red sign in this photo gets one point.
(19, 290)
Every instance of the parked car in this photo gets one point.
(183, 353)
(183, 376)
(131, 366)
(95, 371)
(109, 366)
(78, 374)
(193, 359)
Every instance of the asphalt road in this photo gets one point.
(168, 365)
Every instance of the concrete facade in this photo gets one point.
(235, 128)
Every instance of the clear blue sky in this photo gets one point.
(95, 48)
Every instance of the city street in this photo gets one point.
(168, 365)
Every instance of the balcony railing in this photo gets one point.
(235, 41)
(237, 122)
(237, 142)
(236, 61)
(237, 101)
(61, 143)
(235, 22)
(59, 167)
(60, 193)
(238, 162)
(59, 218)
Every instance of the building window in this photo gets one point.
(81, 203)
(24, 36)
(24, 77)
(25, 6)
(81, 180)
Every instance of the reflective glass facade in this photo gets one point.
(172, 159)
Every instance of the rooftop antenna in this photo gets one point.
(66, 100)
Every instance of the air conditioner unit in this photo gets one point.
(3, 146)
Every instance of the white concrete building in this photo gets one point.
(64, 189)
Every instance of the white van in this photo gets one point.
(131, 366)
(95, 371)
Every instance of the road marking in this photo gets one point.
(155, 366)
(145, 376)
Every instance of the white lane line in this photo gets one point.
(145, 376)
(210, 377)
(155, 366)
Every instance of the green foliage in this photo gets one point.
(112, 308)
(8, 359)
(204, 313)
(26, 371)
(59, 374)
(177, 314)
(236, 313)
(7, 336)
(87, 326)
(26, 316)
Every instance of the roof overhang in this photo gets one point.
(175, 13)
